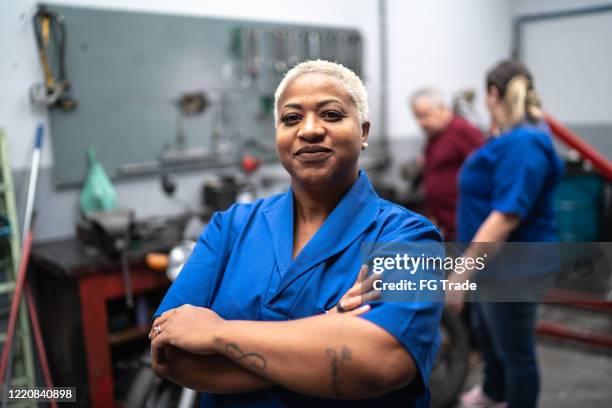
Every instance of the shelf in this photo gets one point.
(127, 335)
(7, 287)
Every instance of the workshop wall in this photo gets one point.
(446, 44)
(20, 68)
(465, 35)
(565, 74)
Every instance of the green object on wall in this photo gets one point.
(98, 192)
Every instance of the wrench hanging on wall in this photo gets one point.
(50, 34)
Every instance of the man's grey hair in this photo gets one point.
(351, 82)
(432, 95)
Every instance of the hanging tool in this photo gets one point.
(294, 41)
(20, 285)
(314, 45)
(50, 30)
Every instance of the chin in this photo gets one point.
(313, 177)
(316, 176)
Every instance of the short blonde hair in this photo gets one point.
(351, 82)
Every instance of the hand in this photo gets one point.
(187, 327)
(455, 299)
(362, 291)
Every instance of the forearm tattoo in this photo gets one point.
(336, 380)
(255, 360)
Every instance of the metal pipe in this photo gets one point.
(574, 141)
(27, 221)
(384, 80)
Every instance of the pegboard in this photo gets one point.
(128, 70)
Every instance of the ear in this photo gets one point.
(365, 131)
(494, 93)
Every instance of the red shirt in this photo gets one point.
(444, 155)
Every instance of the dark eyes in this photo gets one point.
(290, 119)
(330, 115)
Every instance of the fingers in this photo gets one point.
(159, 322)
(156, 325)
(362, 291)
(157, 353)
(371, 295)
(359, 310)
(455, 307)
(364, 286)
(363, 272)
(368, 284)
(454, 302)
(355, 301)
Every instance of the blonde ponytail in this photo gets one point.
(533, 106)
(520, 101)
(515, 100)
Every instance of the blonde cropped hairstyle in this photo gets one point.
(351, 82)
(514, 84)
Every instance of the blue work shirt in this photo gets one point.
(514, 173)
(242, 268)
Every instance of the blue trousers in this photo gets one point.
(505, 333)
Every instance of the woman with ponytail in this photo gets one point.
(506, 195)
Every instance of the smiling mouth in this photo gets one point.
(313, 154)
(311, 150)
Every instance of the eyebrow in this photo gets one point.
(319, 104)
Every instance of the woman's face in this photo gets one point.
(319, 135)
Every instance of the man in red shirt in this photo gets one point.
(450, 140)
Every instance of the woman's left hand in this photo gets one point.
(187, 327)
(455, 299)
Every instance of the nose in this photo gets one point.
(311, 129)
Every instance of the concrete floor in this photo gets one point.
(574, 378)
(572, 375)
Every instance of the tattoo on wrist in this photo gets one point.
(336, 358)
(255, 360)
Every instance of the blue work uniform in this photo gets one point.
(515, 173)
(242, 268)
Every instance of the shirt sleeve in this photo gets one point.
(519, 176)
(414, 324)
(195, 282)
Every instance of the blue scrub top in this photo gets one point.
(242, 268)
(515, 173)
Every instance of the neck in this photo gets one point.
(314, 204)
(447, 118)
(500, 119)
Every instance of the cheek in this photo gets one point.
(283, 143)
(490, 102)
(351, 142)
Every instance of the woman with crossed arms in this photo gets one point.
(246, 321)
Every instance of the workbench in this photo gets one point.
(77, 292)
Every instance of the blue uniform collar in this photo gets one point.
(355, 212)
